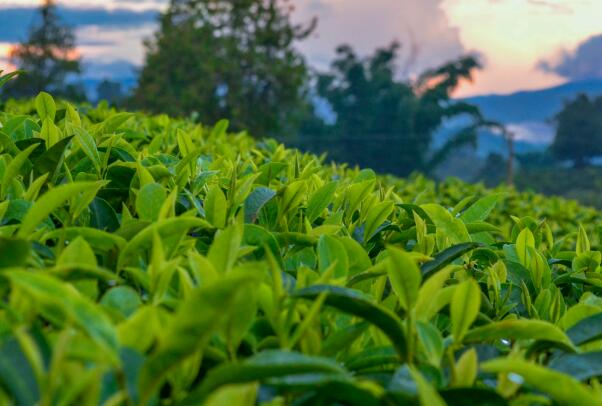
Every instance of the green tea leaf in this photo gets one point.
(448, 227)
(149, 201)
(268, 364)
(50, 201)
(255, 202)
(446, 257)
(51, 160)
(16, 374)
(583, 245)
(356, 193)
(355, 303)
(103, 215)
(100, 240)
(122, 299)
(331, 252)
(404, 276)
(431, 341)
(518, 329)
(78, 252)
(376, 216)
(358, 258)
(464, 308)
(190, 330)
(220, 128)
(477, 395)
(481, 209)
(45, 106)
(466, 368)
(293, 196)
(13, 252)
(586, 330)
(88, 145)
(13, 168)
(224, 249)
(216, 206)
(319, 200)
(114, 122)
(563, 388)
(243, 395)
(169, 228)
(524, 241)
(427, 395)
(579, 366)
(428, 291)
(52, 296)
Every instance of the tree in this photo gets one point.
(492, 171)
(579, 131)
(47, 57)
(110, 91)
(392, 122)
(230, 59)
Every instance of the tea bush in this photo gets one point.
(148, 260)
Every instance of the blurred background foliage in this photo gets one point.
(211, 59)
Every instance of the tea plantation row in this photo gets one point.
(149, 260)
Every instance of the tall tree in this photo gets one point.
(227, 58)
(47, 57)
(389, 123)
(579, 131)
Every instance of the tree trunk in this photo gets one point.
(510, 165)
(579, 163)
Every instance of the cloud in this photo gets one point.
(114, 43)
(534, 132)
(318, 6)
(15, 21)
(585, 62)
(552, 6)
(145, 2)
(422, 27)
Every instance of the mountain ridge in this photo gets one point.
(537, 105)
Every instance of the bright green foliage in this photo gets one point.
(147, 260)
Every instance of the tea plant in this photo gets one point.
(149, 260)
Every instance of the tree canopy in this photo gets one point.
(47, 57)
(227, 58)
(397, 118)
(579, 130)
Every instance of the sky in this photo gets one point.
(523, 44)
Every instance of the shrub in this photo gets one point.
(147, 260)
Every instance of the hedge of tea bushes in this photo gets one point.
(151, 260)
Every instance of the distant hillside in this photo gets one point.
(526, 113)
(91, 85)
(533, 105)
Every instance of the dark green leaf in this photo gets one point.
(13, 252)
(355, 303)
(255, 202)
(267, 364)
(16, 375)
(586, 330)
(446, 257)
(51, 159)
(580, 366)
